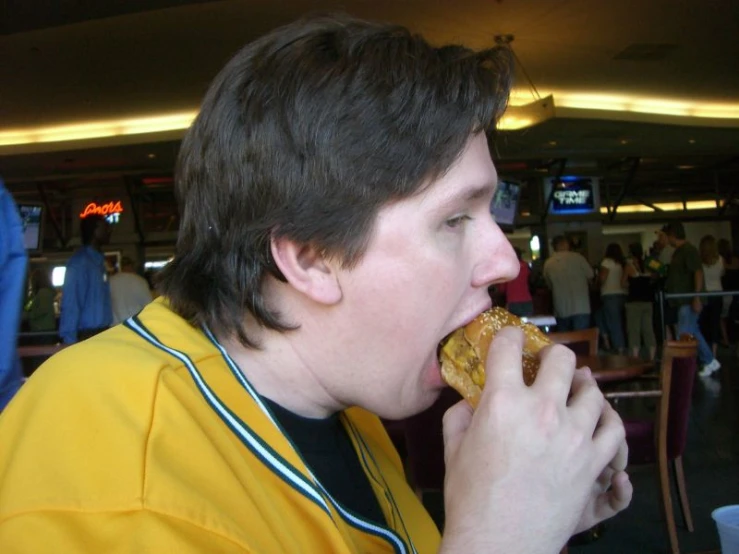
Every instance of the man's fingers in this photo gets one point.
(607, 501)
(456, 421)
(617, 498)
(622, 490)
(587, 402)
(556, 371)
(611, 437)
(504, 360)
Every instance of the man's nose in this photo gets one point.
(498, 263)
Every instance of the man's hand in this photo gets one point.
(697, 305)
(535, 464)
(612, 490)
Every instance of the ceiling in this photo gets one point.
(80, 61)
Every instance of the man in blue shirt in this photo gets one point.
(13, 260)
(86, 308)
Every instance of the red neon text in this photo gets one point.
(102, 209)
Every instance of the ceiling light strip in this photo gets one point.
(522, 113)
(667, 206)
(98, 129)
(633, 103)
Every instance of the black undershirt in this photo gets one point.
(329, 453)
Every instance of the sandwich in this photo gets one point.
(464, 352)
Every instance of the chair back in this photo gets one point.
(667, 431)
(662, 438)
(425, 443)
(679, 365)
(583, 342)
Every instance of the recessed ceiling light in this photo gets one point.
(691, 141)
(624, 141)
(151, 156)
(552, 143)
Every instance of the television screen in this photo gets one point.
(574, 195)
(32, 216)
(504, 206)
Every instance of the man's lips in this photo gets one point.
(469, 319)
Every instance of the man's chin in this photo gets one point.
(410, 407)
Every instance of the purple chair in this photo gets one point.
(662, 439)
(425, 443)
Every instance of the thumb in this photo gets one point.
(456, 421)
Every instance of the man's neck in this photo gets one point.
(277, 371)
(95, 246)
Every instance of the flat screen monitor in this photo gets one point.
(32, 217)
(504, 206)
(574, 195)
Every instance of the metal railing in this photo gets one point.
(35, 347)
(33, 334)
(662, 296)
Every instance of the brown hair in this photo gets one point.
(559, 241)
(708, 250)
(616, 253)
(305, 134)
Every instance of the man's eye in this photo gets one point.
(457, 221)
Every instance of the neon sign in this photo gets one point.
(573, 195)
(110, 210)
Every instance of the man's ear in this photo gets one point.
(307, 269)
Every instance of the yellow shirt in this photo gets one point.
(145, 439)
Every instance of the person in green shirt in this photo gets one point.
(685, 275)
(40, 308)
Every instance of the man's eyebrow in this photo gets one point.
(476, 192)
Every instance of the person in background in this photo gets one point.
(129, 292)
(713, 271)
(730, 282)
(666, 249)
(639, 308)
(40, 316)
(517, 293)
(335, 228)
(613, 297)
(40, 308)
(657, 263)
(652, 263)
(85, 309)
(13, 262)
(685, 276)
(569, 277)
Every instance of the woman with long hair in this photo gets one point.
(713, 270)
(613, 298)
(639, 302)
